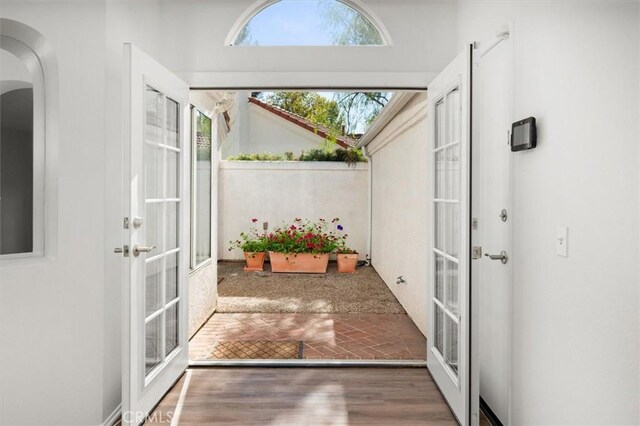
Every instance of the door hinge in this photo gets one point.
(474, 223)
(125, 223)
(476, 252)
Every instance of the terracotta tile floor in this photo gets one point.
(325, 336)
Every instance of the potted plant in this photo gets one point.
(254, 245)
(346, 257)
(302, 246)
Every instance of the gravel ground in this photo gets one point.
(263, 292)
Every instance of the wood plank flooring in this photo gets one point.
(304, 396)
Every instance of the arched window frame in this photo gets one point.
(37, 54)
(261, 5)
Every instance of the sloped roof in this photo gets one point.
(343, 141)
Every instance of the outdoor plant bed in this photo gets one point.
(304, 246)
(299, 247)
(304, 263)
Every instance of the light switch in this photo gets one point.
(562, 241)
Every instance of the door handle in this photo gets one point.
(141, 249)
(502, 257)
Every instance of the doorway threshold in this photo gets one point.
(301, 363)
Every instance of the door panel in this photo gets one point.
(155, 295)
(494, 77)
(449, 144)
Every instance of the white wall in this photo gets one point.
(400, 182)
(281, 191)
(575, 320)
(51, 311)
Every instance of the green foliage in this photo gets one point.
(304, 236)
(265, 156)
(251, 241)
(310, 105)
(349, 27)
(360, 109)
(350, 156)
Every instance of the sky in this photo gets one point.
(293, 23)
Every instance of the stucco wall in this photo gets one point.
(400, 180)
(281, 191)
(203, 295)
(271, 133)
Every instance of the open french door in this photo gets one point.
(448, 334)
(156, 133)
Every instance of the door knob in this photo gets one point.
(502, 257)
(141, 249)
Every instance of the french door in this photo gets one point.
(448, 334)
(155, 296)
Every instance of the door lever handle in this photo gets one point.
(141, 249)
(502, 257)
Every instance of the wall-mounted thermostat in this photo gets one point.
(523, 134)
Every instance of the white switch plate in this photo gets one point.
(562, 241)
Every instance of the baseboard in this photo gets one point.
(114, 417)
(489, 414)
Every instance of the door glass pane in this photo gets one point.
(171, 329)
(153, 286)
(439, 284)
(440, 174)
(154, 113)
(172, 122)
(439, 329)
(440, 226)
(172, 277)
(152, 352)
(452, 213)
(152, 171)
(172, 174)
(153, 226)
(452, 287)
(440, 124)
(452, 162)
(451, 355)
(172, 225)
(453, 113)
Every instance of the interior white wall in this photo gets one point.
(51, 310)
(278, 192)
(575, 320)
(400, 208)
(423, 42)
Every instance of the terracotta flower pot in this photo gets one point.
(347, 263)
(307, 263)
(255, 261)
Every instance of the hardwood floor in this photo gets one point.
(304, 396)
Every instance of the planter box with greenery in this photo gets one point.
(303, 246)
(254, 245)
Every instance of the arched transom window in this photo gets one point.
(308, 23)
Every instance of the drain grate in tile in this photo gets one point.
(256, 349)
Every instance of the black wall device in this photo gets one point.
(523, 134)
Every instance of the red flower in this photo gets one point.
(254, 220)
(293, 227)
